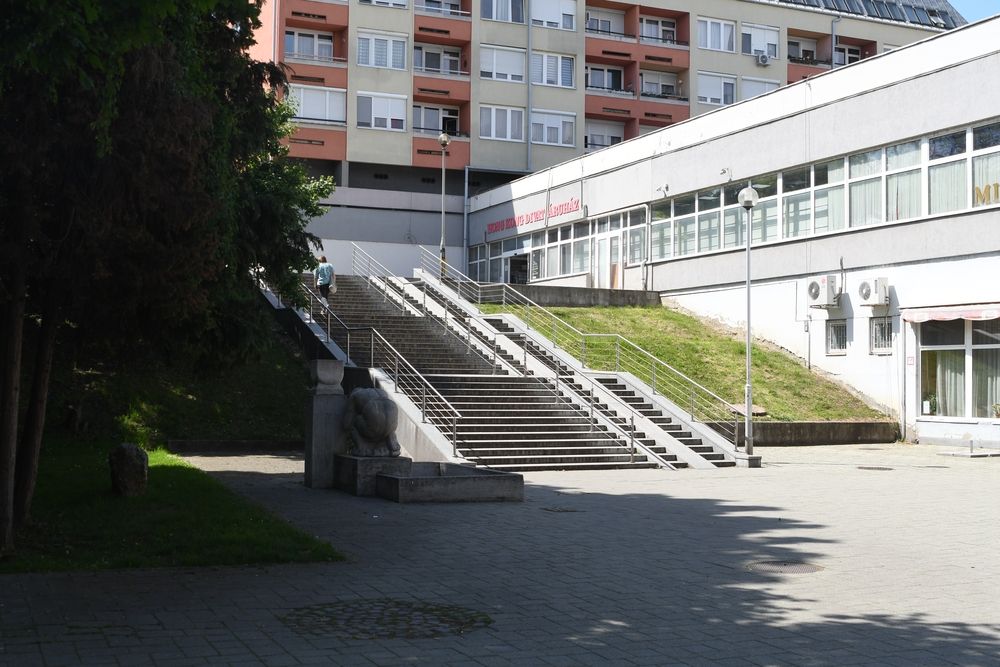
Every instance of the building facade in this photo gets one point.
(521, 85)
(875, 241)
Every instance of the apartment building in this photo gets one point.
(521, 85)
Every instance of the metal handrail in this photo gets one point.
(434, 407)
(702, 404)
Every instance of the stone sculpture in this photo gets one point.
(370, 423)
(129, 469)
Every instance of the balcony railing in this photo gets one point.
(614, 92)
(324, 121)
(809, 61)
(597, 145)
(315, 58)
(437, 70)
(662, 41)
(398, 4)
(624, 36)
(448, 10)
(664, 96)
(435, 131)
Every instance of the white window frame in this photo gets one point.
(509, 114)
(383, 106)
(605, 21)
(665, 29)
(803, 46)
(498, 8)
(443, 113)
(550, 121)
(317, 37)
(832, 351)
(336, 101)
(550, 69)
(653, 83)
(706, 96)
(605, 72)
(773, 85)
(607, 132)
(764, 39)
(847, 53)
(397, 4)
(488, 63)
(558, 14)
(452, 56)
(391, 41)
(705, 30)
(880, 335)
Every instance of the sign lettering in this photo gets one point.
(988, 194)
(515, 221)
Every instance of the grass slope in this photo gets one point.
(716, 359)
(186, 518)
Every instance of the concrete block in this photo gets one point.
(449, 483)
(356, 474)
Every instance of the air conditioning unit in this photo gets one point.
(874, 292)
(763, 59)
(821, 291)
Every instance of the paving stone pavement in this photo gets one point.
(594, 568)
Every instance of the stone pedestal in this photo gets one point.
(356, 474)
(324, 435)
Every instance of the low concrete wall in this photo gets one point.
(552, 295)
(776, 434)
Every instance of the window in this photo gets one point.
(880, 335)
(551, 69)
(437, 59)
(759, 39)
(320, 104)
(434, 120)
(382, 112)
(658, 84)
(554, 13)
(604, 78)
(601, 134)
(755, 87)
(866, 194)
(381, 51)
(717, 35)
(605, 21)
(836, 337)
(657, 30)
(308, 45)
(716, 88)
(384, 3)
(557, 129)
(505, 123)
(501, 64)
(802, 49)
(845, 55)
(511, 11)
(903, 188)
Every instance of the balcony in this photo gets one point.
(648, 108)
(803, 68)
(427, 150)
(330, 71)
(326, 142)
(316, 15)
(436, 88)
(615, 48)
(619, 93)
(442, 25)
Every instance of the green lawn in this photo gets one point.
(186, 518)
(715, 358)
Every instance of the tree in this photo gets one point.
(142, 182)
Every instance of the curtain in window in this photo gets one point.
(829, 209)
(567, 132)
(985, 172)
(502, 9)
(516, 124)
(902, 196)
(485, 121)
(947, 187)
(950, 384)
(866, 202)
(797, 215)
(985, 381)
(567, 72)
(517, 11)
(364, 56)
(399, 55)
(536, 67)
(381, 53)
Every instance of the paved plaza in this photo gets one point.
(594, 568)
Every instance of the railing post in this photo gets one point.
(618, 354)
(424, 306)
(524, 348)
(652, 363)
(454, 435)
(691, 411)
(373, 349)
(631, 458)
(583, 350)
(494, 356)
(348, 343)
(423, 402)
(329, 338)
(397, 374)
(503, 295)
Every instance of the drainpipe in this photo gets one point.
(527, 66)
(465, 221)
(833, 43)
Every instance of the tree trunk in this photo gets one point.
(30, 444)
(11, 333)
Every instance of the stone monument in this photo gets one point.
(370, 429)
(324, 437)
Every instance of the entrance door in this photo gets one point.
(615, 262)
(517, 269)
(602, 263)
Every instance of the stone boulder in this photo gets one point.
(370, 423)
(129, 469)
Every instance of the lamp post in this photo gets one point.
(748, 199)
(444, 140)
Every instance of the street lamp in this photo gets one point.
(748, 199)
(444, 140)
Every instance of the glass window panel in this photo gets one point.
(552, 262)
(553, 236)
(684, 237)
(516, 124)
(836, 336)
(986, 136)
(947, 187)
(581, 256)
(765, 222)
(795, 180)
(496, 270)
(766, 186)
(734, 221)
(566, 233)
(866, 202)
(942, 382)
(797, 215)
(986, 382)
(364, 111)
(829, 210)
(565, 255)
(660, 240)
(661, 210)
(324, 47)
(306, 45)
(501, 123)
(708, 231)
(902, 155)
(637, 216)
(950, 144)
(684, 205)
(830, 172)
(986, 180)
(986, 332)
(902, 195)
(581, 230)
(732, 192)
(951, 332)
(636, 245)
(866, 164)
(709, 199)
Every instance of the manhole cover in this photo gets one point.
(384, 618)
(873, 468)
(783, 567)
(559, 509)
